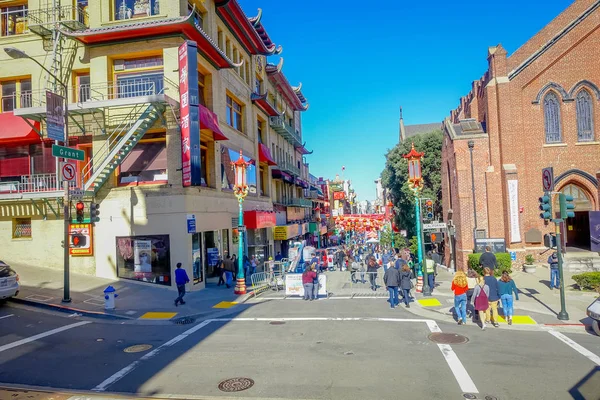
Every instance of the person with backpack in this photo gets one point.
(460, 287)
(493, 297)
(506, 288)
(480, 300)
(554, 277)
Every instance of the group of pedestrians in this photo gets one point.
(487, 292)
(310, 279)
(397, 280)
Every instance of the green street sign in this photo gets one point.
(67, 152)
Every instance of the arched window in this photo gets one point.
(552, 118)
(585, 120)
(581, 200)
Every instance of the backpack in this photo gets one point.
(481, 301)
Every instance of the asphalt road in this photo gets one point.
(330, 349)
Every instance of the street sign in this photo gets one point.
(55, 116)
(242, 228)
(76, 193)
(548, 179)
(68, 172)
(67, 152)
(191, 223)
(434, 226)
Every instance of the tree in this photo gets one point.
(386, 237)
(395, 176)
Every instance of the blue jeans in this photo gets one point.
(394, 301)
(431, 281)
(554, 278)
(406, 295)
(460, 306)
(507, 305)
(308, 291)
(315, 290)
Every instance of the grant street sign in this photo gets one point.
(67, 152)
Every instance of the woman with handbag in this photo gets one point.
(480, 299)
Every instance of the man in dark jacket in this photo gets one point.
(372, 271)
(488, 259)
(340, 255)
(554, 277)
(392, 281)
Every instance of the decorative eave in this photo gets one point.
(254, 38)
(260, 100)
(167, 27)
(298, 102)
(413, 153)
(302, 149)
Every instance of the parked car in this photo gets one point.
(9, 281)
(593, 312)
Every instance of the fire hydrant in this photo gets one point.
(109, 298)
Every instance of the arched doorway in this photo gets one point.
(577, 228)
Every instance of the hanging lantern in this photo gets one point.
(240, 187)
(414, 167)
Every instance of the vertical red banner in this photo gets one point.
(184, 110)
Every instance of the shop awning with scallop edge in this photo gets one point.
(16, 131)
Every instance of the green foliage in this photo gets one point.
(588, 280)
(503, 259)
(395, 176)
(529, 260)
(414, 245)
(386, 239)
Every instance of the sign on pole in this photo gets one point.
(434, 226)
(68, 172)
(191, 223)
(55, 116)
(76, 193)
(548, 179)
(67, 152)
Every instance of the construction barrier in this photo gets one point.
(419, 284)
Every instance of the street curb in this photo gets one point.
(65, 309)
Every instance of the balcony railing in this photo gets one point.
(14, 22)
(284, 129)
(129, 88)
(38, 183)
(289, 167)
(73, 17)
(297, 202)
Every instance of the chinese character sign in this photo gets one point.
(190, 124)
(55, 116)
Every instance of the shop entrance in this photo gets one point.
(577, 228)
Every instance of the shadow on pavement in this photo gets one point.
(588, 388)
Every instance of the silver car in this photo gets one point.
(9, 281)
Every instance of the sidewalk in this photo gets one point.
(43, 287)
(537, 302)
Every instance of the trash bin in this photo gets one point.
(109, 298)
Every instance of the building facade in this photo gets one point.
(162, 97)
(537, 108)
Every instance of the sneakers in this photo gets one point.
(510, 321)
(408, 306)
(483, 327)
(496, 325)
(460, 322)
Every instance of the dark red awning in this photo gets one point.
(15, 131)
(264, 155)
(210, 121)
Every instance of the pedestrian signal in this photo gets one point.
(78, 240)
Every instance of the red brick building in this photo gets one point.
(536, 108)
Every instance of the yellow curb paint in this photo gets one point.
(429, 302)
(225, 304)
(158, 315)
(519, 320)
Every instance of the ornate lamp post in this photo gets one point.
(240, 190)
(415, 182)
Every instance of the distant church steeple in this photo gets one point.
(402, 130)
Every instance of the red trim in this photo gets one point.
(141, 183)
(265, 106)
(259, 219)
(14, 131)
(233, 15)
(210, 121)
(281, 81)
(264, 155)
(135, 31)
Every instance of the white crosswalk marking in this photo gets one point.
(576, 346)
(7, 316)
(41, 335)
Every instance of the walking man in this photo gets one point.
(392, 281)
(488, 259)
(554, 277)
(181, 278)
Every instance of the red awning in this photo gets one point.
(15, 131)
(210, 121)
(264, 155)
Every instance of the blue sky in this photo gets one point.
(359, 65)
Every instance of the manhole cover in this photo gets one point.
(491, 398)
(448, 338)
(469, 396)
(235, 384)
(348, 353)
(138, 348)
(276, 322)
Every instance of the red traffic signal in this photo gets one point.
(78, 240)
(79, 209)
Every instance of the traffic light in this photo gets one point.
(79, 209)
(545, 207)
(94, 212)
(78, 240)
(566, 205)
(550, 241)
(429, 209)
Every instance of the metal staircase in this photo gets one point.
(119, 144)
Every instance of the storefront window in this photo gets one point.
(225, 240)
(197, 265)
(211, 254)
(258, 244)
(144, 258)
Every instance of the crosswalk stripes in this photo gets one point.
(42, 335)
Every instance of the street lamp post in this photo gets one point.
(20, 54)
(389, 210)
(471, 144)
(415, 182)
(240, 190)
